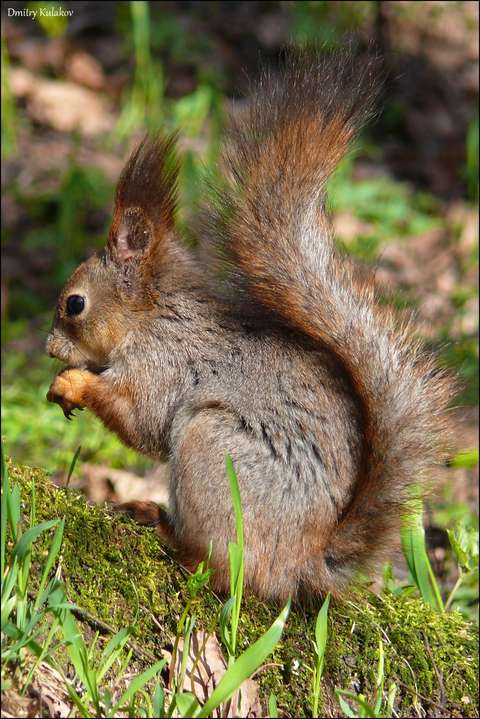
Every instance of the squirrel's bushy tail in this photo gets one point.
(269, 235)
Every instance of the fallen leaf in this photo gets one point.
(49, 687)
(64, 106)
(101, 484)
(347, 226)
(205, 668)
(83, 68)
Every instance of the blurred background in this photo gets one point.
(81, 81)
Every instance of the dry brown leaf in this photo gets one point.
(463, 219)
(49, 687)
(22, 82)
(36, 54)
(64, 106)
(101, 484)
(83, 68)
(205, 668)
(347, 226)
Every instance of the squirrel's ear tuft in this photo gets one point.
(145, 200)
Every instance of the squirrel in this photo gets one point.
(261, 341)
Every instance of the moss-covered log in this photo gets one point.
(111, 567)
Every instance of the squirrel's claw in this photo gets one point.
(58, 396)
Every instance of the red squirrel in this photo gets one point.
(263, 342)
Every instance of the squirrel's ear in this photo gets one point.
(134, 235)
(145, 201)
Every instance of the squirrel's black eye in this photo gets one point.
(75, 304)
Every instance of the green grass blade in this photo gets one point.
(223, 620)
(3, 516)
(321, 627)
(434, 584)
(119, 640)
(8, 605)
(344, 706)
(187, 704)
(235, 554)
(272, 706)
(9, 584)
(467, 459)
(92, 646)
(365, 710)
(14, 511)
(11, 630)
(45, 648)
(72, 464)
(33, 506)
(392, 691)
(235, 560)
(321, 637)
(236, 500)
(248, 662)
(52, 556)
(189, 625)
(3, 465)
(9, 115)
(472, 159)
(413, 546)
(82, 708)
(22, 552)
(137, 684)
(64, 605)
(124, 666)
(113, 650)
(22, 547)
(380, 679)
(10, 581)
(26, 641)
(158, 701)
(75, 645)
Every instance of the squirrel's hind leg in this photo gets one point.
(149, 514)
(202, 510)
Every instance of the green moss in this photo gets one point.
(120, 573)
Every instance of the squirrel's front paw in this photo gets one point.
(68, 389)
